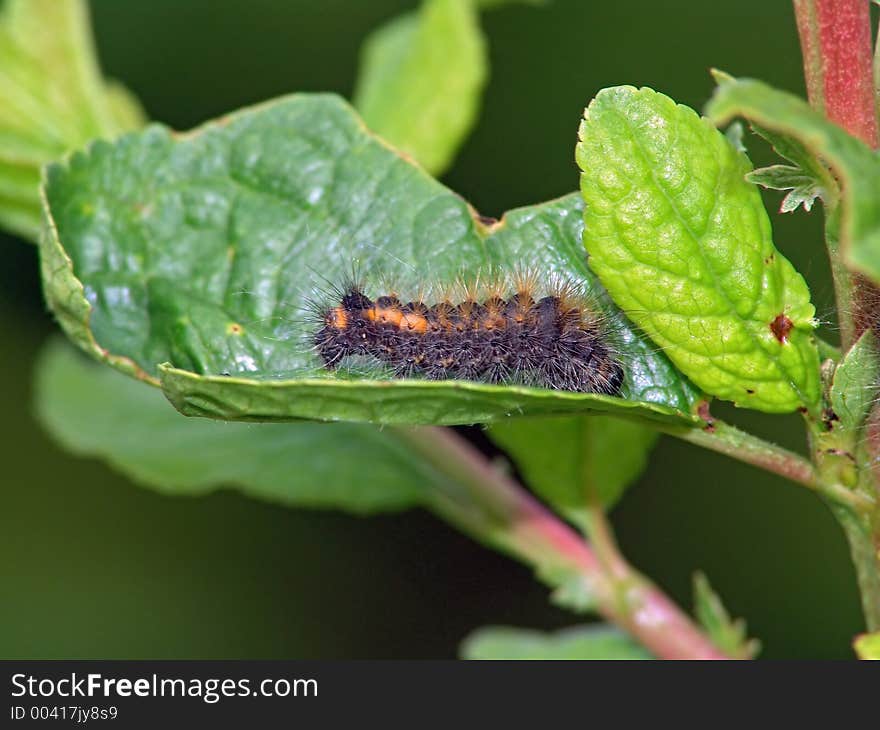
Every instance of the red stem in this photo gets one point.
(838, 67)
(836, 42)
(625, 596)
(526, 528)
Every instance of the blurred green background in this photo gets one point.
(93, 566)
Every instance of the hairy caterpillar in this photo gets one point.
(502, 332)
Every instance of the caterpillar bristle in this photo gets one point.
(554, 341)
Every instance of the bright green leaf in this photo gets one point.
(727, 634)
(575, 462)
(53, 100)
(682, 243)
(855, 165)
(853, 389)
(421, 79)
(867, 646)
(578, 642)
(202, 250)
(95, 411)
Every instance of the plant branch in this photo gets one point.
(844, 281)
(836, 43)
(876, 72)
(839, 69)
(488, 504)
(864, 553)
(742, 446)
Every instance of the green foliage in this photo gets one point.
(201, 251)
(53, 100)
(576, 462)
(95, 411)
(188, 262)
(806, 179)
(728, 635)
(596, 641)
(421, 78)
(683, 245)
(572, 591)
(853, 389)
(856, 166)
(804, 188)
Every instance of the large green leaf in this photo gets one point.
(53, 100)
(201, 250)
(574, 462)
(682, 243)
(856, 166)
(578, 642)
(421, 78)
(98, 412)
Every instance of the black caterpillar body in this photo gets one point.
(552, 342)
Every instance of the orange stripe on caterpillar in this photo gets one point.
(555, 341)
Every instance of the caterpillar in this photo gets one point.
(554, 341)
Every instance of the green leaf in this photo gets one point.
(575, 462)
(421, 80)
(202, 250)
(867, 646)
(853, 389)
(97, 412)
(682, 243)
(854, 164)
(808, 178)
(54, 99)
(595, 641)
(805, 161)
(728, 635)
(804, 187)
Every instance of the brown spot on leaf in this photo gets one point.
(780, 327)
